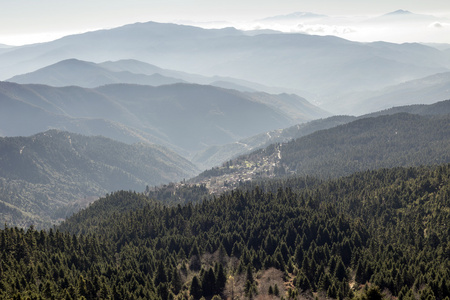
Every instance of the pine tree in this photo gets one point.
(340, 272)
(195, 289)
(195, 262)
(276, 291)
(221, 280)
(208, 283)
(250, 288)
(176, 281)
(161, 274)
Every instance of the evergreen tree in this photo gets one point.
(176, 281)
(340, 272)
(195, 261)
(196, 288)
(161, 274)
(208, 283)
(221, 280)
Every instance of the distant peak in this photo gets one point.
(73, 61)
(399, 12)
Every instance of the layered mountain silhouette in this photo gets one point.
(89, 75)
(323, 65)
(185, 117)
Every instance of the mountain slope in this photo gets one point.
(19, 118)
(372, 143)
(88, 75)
(214, 115)
(49, 175)
(216, 155)
(347, 228)
(369, 143)
(420, 91)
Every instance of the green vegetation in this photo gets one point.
(371, 143)
(372, 235)
(181, 193)
(46, 177)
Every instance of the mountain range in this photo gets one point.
(88, 75)
(322, 65)
(69, 72)
(185, 117)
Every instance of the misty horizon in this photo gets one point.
(399, 25)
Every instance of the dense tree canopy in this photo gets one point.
(374, 234)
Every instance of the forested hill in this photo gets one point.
(339, 239)
(369, 143)
(50, 175)
(216, 155)
(386, 141)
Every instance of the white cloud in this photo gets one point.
(439, 25)
(32, 38)
(314, 29)
(322, 29)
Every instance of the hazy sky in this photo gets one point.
(29, 21)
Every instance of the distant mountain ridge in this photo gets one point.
(185, 117)
(402, 13)
(402, 18)
(425, 90)
(47, 176)
(88, 75)
(75, 72)
(399, 12)
(322, 65)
